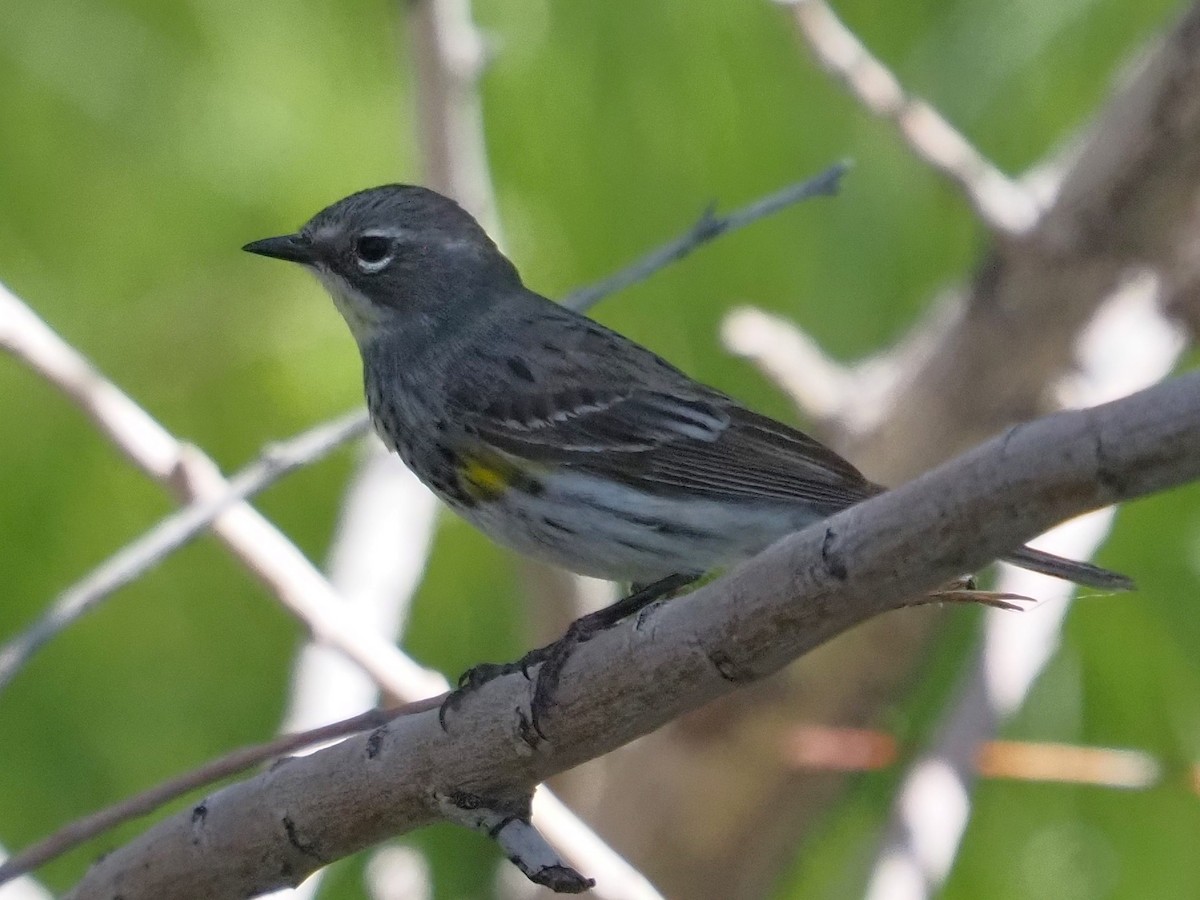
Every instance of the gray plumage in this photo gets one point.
(554, 434)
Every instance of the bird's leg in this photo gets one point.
(553, 657)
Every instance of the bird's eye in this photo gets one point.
(372, 248)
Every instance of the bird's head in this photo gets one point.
(397, 257)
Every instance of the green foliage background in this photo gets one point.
(141, 143)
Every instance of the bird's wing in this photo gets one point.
(611, 408)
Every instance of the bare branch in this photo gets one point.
(708, 227)
(177, 529)
(276, 827)
(1119, 199)
(262, 548)
(1003, 205)
(818, 385)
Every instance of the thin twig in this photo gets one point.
(708, 227)
(265, 551)
(87, 827)
(25, 888)
(173, 532)
(1002, 204)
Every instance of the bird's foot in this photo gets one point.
(473, 679)
(541, 666)
(550, 661)
(544, 665)
(552, 658)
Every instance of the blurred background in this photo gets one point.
(142, 143)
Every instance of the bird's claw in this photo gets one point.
(542, 666)
(473, 679)
(552, 659)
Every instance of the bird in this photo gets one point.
(554, 435)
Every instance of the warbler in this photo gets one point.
(551, 433)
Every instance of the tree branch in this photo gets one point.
(84, 829)
(273, 829)
(173, 532)
(1004, 206)
(191, 475)
(823, 748)
(23, 888)
(708, 227)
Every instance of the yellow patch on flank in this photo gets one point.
(486, 480)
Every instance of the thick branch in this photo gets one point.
(275, 828)
(72, 835)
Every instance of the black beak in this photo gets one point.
(291, 247)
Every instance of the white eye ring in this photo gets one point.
(377, 241)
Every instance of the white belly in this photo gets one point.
(615, 532)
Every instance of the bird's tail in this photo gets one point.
(1079, 572)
